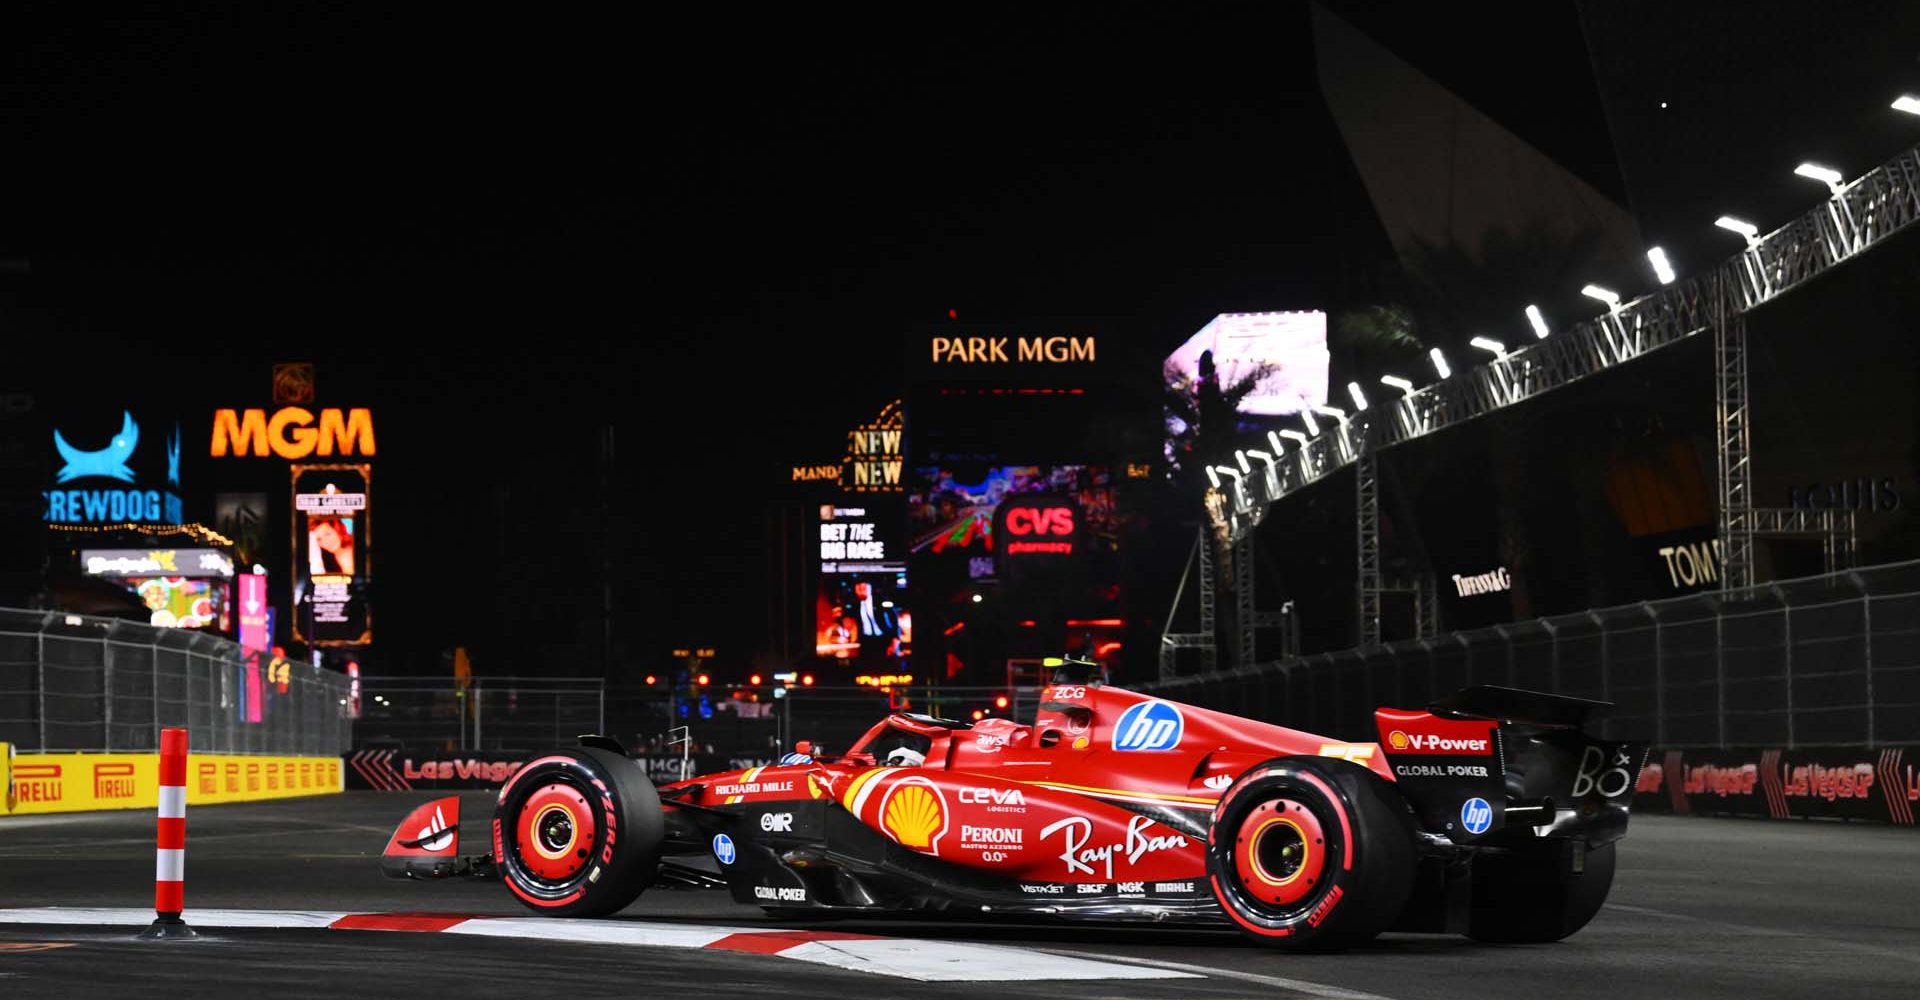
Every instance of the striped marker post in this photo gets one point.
(170, 858)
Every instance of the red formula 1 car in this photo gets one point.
(1491, 814)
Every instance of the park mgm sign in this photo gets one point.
(872, 462)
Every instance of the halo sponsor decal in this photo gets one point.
(723, 848)
(1476, 815)
(1149, 725)
(914, 813)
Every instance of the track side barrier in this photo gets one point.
(80, 782)
(1873, 784)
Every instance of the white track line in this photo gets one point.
(902, 958)
(1297, 985)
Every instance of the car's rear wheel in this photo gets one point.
(577, 832)
(1532, 894)
(1311, 853)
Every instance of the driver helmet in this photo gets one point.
(905, 757)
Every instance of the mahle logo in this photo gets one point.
(291, 433)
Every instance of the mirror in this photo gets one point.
(803, 746)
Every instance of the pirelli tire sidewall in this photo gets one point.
(611, 809)
(1357, 837)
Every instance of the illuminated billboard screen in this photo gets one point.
(330, 553)
(1292, 346)
(182, 602)
(952, 510)
(862, 618)
(860, 613)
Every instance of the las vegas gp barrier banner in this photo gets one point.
(401, 770)
(1878, 784)
(78, 782)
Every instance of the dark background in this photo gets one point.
(708, 232)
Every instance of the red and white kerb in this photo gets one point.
(170, 860)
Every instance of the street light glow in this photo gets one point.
(1241, 457)
(1213, 477)
(1603, 294)
(1661, 268)
(1296, 436)
(1911, 105)
(1539, 322)
(1397, 382)
(1274, 440)
(1359, 398)
(1826, 175)
(1306, 417)
(1496, 348)
(1440, 363)
(1747, 229)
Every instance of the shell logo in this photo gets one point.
(1397, 739)
(915, 814)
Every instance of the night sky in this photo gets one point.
(708, 231)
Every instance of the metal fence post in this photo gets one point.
(1553, 652)
(479, 706)
(106, 688)
(153, 663)
(1719, 677)
(602, 727)
(1786, 647)
(1866, 646)
(40, 674)
(1659, 677)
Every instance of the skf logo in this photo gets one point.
(37, 783)
(290, 433)
(113, 781)
(1040, 521)
(915, 815)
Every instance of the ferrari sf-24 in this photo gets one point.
(1491, 813)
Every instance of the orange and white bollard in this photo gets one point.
(170, 858)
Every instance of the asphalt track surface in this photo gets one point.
(1701, 908)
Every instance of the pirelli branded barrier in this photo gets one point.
(1877, 784)
(402, 770)
(77, 782)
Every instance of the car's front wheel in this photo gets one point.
(577, 832)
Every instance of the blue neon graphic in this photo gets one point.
(109, 462)
(173, 458)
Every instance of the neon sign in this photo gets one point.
(1026, 350)
(113, 461)
(107, 463)
(290, 433)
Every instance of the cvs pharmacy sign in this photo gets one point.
(1039, 525)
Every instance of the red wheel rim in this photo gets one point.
(554, 832)
(1280, 852)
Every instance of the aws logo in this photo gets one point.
(291, 433)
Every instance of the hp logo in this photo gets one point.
(1476, 815)
(723, 848)
(1150, 725)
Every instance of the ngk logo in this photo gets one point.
(1040, 521)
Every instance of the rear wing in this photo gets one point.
(1491, 701)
